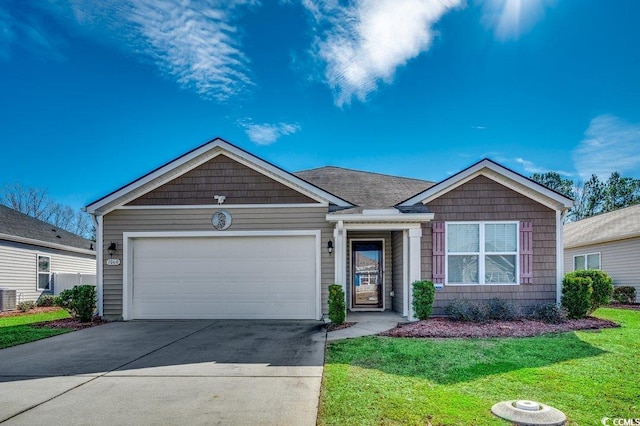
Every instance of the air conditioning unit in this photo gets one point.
(7, 300)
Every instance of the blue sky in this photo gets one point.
(95, 94)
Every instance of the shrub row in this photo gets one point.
(502, 310)
(624, 294)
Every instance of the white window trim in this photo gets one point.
(585, 261)
(38, 273)
(481, 254)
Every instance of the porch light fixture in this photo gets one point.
(330, 246)
(112, 248)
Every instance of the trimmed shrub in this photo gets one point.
(548, 312)
(27, 305)
(467, 310)
(46, 301)
(503, 310)
(624, 294)
(576, 295)
(423, 295)
(80, 301)
(601, 285)
(337, 305)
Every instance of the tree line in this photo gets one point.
(37, 203)
(593, 196)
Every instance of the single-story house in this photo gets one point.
(221, 233)
(33, 253)
(610, 242)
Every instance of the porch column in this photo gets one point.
(415, 264)
(339, 255)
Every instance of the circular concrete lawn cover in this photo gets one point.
(523, 412)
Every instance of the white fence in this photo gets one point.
(63, 282)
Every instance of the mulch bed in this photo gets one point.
(632, 306)
(18, 313)
(71, 323)
(333, 327)
(445, 327)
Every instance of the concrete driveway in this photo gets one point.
(167, 372)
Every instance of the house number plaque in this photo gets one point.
(221, 220)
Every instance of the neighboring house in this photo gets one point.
(610, 242)
(221, 233)
(33, 253)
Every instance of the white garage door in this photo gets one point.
(259, 277)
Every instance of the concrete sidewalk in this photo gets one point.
(367, 324)
(167, 372)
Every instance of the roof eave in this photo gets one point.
(560, 202)
(47, 244)
(98, 206)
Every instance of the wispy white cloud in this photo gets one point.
(195, 42)
(479, 127)
(267, 134)
(511, 18)
(531, 167)
(610, 144)
(362, 43)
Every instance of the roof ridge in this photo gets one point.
(363, 171)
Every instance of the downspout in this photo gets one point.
(560, 215)
(97, 221)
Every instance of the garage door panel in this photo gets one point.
(224, 277)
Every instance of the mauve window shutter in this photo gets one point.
(437, 229)
(526, 252)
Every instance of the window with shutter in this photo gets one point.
(437, 229)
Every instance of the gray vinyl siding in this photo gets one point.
(483, 199)
(388, 262)
(244, 219)
(620, 259)
(398, 271)
(18, 267)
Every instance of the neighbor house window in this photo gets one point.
(482, 253)
(586, 261)
(44, 272)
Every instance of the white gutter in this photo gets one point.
(395, 217)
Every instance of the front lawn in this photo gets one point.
(15, 330)
(586, 374)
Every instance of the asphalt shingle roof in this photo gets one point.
(17, 224)
(612, 226)
(364, 189)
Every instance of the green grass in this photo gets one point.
(17, 330)
(587, 375)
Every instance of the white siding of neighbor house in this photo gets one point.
(620, 259)
(18, 264)
(199, 219)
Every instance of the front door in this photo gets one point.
(367, 274)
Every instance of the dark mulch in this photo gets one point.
(333, 327)
(445, 327)
(71, 323)
(18, 313)
(632, 306)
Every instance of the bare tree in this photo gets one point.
(36, 203)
